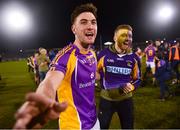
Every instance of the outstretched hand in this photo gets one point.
(37, 111)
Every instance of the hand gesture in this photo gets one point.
(37, 111)
(128, 88)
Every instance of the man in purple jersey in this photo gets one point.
(119, 76)
(71, 77)
(150, 52)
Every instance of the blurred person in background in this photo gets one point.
(174, 59)
(150, 53)
(163, 75)
(139, 53)
(43, 63)
(30, 64)
(51, 54)
(36, 69)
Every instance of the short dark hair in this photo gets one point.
(150, 42)
(177, 40)
(88, 7)
(123, 26)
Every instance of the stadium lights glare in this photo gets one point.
(108, 43)
(15, 20)
(163, 13)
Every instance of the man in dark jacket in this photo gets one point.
(162, 75)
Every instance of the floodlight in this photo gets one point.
(15, 20)
(165, 13)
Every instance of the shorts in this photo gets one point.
(96, 126)
(150, 64)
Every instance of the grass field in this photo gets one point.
(150, 113)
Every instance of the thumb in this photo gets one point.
(60, 107)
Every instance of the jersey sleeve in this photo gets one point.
(60, 61)
(136, 74)
(100, 59)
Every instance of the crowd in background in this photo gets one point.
(162, 61)
(39, 63)
(163, 55)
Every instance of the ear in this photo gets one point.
(73, 28)
(114, 38)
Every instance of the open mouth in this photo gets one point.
(89, 34)
(126, 43)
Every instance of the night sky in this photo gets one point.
(52, 27)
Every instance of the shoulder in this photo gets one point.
(67, 49)
(102, 53)
(134, 57)
(64, 53)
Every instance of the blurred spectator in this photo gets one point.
(174, 58)
(150, 52)
(166, 53)
(30, 64)
(162, 75)
(43, 63)
(139, 52)
(36, 69)
(51, 54)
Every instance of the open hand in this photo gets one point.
(37, 111)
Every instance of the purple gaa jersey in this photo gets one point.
(118, 69)
(77, 88)
(150, 52)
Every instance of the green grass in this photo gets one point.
(149, 111)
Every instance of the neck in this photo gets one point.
(119, 50)
(81, 47)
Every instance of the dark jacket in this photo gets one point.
(162, 73)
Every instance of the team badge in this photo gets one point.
(129, 63)
(92, 75)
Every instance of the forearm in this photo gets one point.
(136, 83)
(45, 88)
(98, 76)
(50, 84)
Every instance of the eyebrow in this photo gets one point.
(88, 20)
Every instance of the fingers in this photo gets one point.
(19, 124)
(128, 88)
(27, 108)
(51, 113)
(24, 115)
(60, 107)
(22, 122)
(57, 108)
(31, 109)
(38, 121)
(41, 101)
(37, 111)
